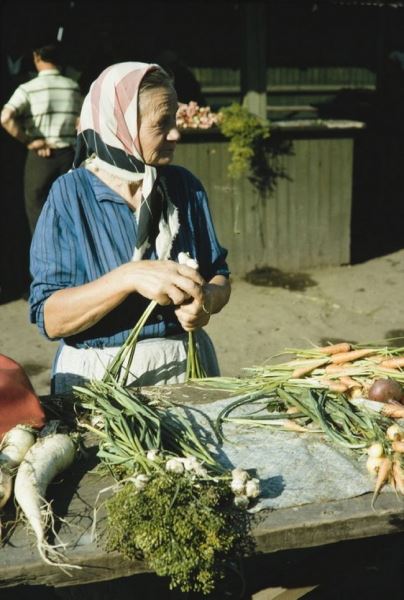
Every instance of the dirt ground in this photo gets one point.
(360, 303)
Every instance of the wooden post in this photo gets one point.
(253, 63)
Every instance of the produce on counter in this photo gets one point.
(351, 394)
(173, 501)
(49, 456)
(13, 448)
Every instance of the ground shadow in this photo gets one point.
(271, 277)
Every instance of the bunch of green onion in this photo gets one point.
(132, 424)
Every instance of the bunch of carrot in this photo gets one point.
(325, 389)
(386, 460)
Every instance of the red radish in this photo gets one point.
(385, 390)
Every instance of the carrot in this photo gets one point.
(335, 386)
(393, 363)
(382, 476)
(393, 411)
(398, 446)
(352, 355)
(337, 368)
(292, 426)
(398, 476)
(335, 348)
(292, 410)
(349, 382)
(389, 370)
(300, 372)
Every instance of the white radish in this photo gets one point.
(14, 447)
(373, 464)
(48, 457)
(6, 486)
(375, 450)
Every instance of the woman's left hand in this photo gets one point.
(196, 314)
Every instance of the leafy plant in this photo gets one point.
(174, 503)
(191, 532)
(246, 133)
(255, 151)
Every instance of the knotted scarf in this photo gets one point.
(108, 135)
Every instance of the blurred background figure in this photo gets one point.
(185, 82)
(42, 114)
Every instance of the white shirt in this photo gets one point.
(48, 107)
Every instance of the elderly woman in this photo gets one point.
(109, 236)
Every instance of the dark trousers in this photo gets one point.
(39, 174)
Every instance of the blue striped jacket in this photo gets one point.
(86, 229)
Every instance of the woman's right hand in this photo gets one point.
(71, 310)
(165, 281)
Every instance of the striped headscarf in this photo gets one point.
(108, 132)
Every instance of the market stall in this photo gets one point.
(297, 507)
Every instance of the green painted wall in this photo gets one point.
(304, 222)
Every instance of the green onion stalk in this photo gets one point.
(119, 368)
(132, 424)
(195, 368)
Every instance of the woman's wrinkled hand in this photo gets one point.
(195, 314)
(165, 281)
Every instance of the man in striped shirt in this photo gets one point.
(43, 114)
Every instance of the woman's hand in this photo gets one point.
(195, 314)
(165, 281)
(71, 310)
(213, 296)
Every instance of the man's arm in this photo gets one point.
(13, 127)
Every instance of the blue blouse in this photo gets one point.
(86, 229)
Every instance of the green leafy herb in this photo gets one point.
(186, 529)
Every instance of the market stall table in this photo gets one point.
(75, 493)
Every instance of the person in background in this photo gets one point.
(186, 85)
(110, 235)
(42, 114)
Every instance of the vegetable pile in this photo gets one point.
(31, 459)
(173, 503)
(351, 394)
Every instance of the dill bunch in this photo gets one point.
(186, 529)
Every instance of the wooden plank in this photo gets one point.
(253, 70)
(301, 527)
(330, 522)
(303, 222)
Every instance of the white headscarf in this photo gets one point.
(108, 135)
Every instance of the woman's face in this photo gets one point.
(158, 133)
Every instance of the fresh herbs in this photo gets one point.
(246, 133)
(186, 529)
(174, 503)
